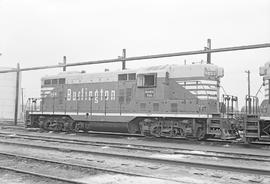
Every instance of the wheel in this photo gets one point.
(58, 127)
(28, 123)
(77, 127)
(180, 132)
(200, 134)
(156, 131)
(45, 125)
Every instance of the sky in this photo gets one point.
(39, 33)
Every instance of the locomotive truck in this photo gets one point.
(161, 101)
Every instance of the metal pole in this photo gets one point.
(249, 99)
(228, 104)
(31, 105)
(232, 100)
(257, 101)
(209, 53)
(17, 94)
(223, 104)
(246, 104)
(124, 61)
(64, 63)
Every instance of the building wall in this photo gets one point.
(7, 95)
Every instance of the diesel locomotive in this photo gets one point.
(161, 101)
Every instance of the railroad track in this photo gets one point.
(30, 173)
(158, 149)
(212, 166)
(213, 140)
(183, 139)
(68, 164)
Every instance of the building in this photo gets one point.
(8, 95)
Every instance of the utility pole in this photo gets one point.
(249, 99)
(64, 63)
(124, 59)
(17, 94)
(208, 47)
(209, 53)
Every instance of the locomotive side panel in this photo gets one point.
(125, 97)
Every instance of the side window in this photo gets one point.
(132, 76)
(140, 80)
(47, 82)
(62, 81)
(122, 77)
(147, 80)
(54, 81)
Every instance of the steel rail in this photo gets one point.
(41, 175)
(84, 166)
(260, 143)
(177, 150)
(224, 155)
(153, 56)
(147, 159)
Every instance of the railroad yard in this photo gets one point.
(135, 92)
(26, 155)
(80, 131)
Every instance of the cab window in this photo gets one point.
(147, 80)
